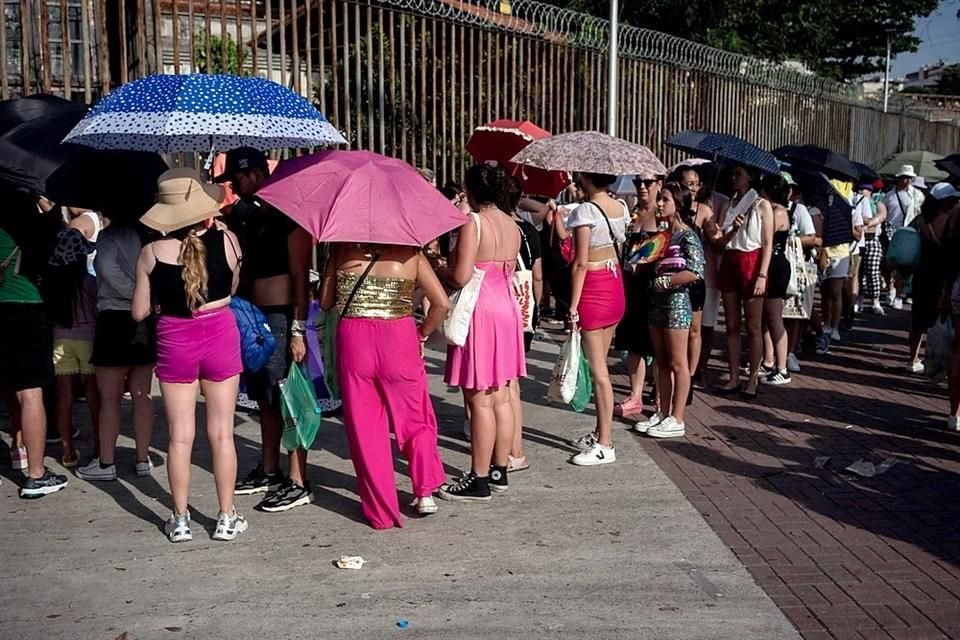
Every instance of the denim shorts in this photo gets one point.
(264, 384)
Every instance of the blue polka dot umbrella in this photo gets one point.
(201, 112)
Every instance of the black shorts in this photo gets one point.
(26, 342)
(121, 341)
(263, 385)
(778, 277)
(633, 332)
(698, 295)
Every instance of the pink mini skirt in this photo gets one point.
(602, 302)
(204, 347)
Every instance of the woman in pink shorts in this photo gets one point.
(191, 274)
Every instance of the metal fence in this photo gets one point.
(412, 78)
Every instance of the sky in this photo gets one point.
(939, 38)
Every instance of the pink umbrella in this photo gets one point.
(360, 196)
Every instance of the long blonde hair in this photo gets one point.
(193, 257)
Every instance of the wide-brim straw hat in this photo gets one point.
(182, 201)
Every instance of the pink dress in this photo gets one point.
(493, 354)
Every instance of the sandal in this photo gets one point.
(70, 463)
(517, 464)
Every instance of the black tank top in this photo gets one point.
(780, 242)
(166, 280)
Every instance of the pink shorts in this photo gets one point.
(738, 272)
(602, 302)
(204, 347)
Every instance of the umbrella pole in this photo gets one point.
(613, 81)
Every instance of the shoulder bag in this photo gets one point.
(462, 303)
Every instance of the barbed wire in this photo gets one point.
(573, 28)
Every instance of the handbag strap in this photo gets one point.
(520, 263)
(613, 239)
(356, 287)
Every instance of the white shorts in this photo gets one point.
(711, 308)
(837, 268)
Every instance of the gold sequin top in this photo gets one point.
(379, 297)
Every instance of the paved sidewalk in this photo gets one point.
(841, 555)
(610, 552)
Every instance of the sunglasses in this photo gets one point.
(646, 182)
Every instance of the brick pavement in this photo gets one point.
(842, 556)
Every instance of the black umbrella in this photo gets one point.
(950, 164)
(837, 211)
(867, 173)
(41, 105)
(121, 184)
(818, 158)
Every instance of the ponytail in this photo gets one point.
(193, 257)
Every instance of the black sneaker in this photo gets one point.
(777, 378)
(469, 488)
(498, 479)
(288, 496)
(258, 482)
(33, 488)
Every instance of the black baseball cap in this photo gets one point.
(242, 159)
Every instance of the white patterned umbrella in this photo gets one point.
(590, 152)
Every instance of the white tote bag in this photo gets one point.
(794, 254)
(522, 283)
(563, 381)
(462, 303)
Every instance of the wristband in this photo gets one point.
(298, 326)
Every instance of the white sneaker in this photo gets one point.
(878, 308)
(586, 441)
(670, 427)
(229, 527)
(915, 367)
(177, 527)
(425, 506)
(898, 303)
(823, 344)
(466, 429)
(953, 423)
(835, 334)
(597, 454)
(144, 468)
(94, 471)
(857, 305)
(793, 364)
(644, 425)
(891, 298)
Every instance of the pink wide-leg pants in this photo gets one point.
(383, 382)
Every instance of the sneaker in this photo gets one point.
(94, 471)
(229, 527)
(892, 298)
(858, 305)
(177, 527)
(144, 469)
(425, 506)
(629, 407)
(585, 441)
(258, 482)
(793, 364)
(915, 367)
(50, 482)
(517, 464)
(18, 458)
(498, 479)
(835, 334)
(953, 423)
(777, 378)
(595, 455)
(669, 428)
(823, 344)
(898, 303)
(644, 425)
(290, 495)
(878, 308)
(54, 438)
(469, 488)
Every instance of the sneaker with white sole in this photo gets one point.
(878, 308)
(585, 441)
(229, 527)
(777, 378)
(669, 428)
(891, 298)
(97, 472)
(144, 469)
(823, 344)
(49, 482)
(898, 303)
(915, 367)
(288, 496)
(595, 455)
(177, 528)
(835, 334)
(793, 363)
(425, 506)
(644, 425)
(469, 488)
(953, 423)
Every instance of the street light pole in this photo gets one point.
(886, 77)
(613, 81)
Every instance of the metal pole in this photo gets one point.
(613, 59)
(886, 78)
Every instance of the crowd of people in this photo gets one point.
(103, 304)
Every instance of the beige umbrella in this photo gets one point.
(590, 152)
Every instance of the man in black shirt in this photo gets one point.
(274, 276)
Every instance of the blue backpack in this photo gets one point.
(257, 343)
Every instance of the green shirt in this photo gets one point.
(13, 286)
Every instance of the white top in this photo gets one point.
(911, 199)
(97, 228)
(590, 215)
(802, 221)
(749, 236)
(862, 213)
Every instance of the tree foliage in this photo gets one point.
(234, 61)
(838, 39)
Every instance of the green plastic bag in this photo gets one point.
(301, 413)
(581, 398)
